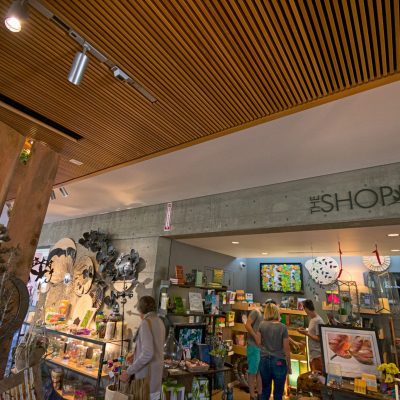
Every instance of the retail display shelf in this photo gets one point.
(290, 311)
(298, 357)
(217, 289)
(245, 306)
(211, 371)
(84, 338)
(241, 350)
(240, 327)
(65, 396)
(195, 315)
(91, 373)
(335, 307)
(294, 332)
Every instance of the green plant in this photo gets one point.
(342, 311)
(219, 352)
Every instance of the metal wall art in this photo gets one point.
(62, 255)
(83, 275)
(106, 254)
(42, 268)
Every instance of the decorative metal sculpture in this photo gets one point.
(45, 269)
(14, 304)
(100, 244)
(83, 275)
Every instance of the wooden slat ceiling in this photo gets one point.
(215, 66)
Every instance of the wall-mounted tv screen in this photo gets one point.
(282, 278)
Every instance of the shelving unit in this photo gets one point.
(239, 327)
(94, 373)
(300, 362)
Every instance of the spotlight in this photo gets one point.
(63, 191)
(52, 195)
(16, 14)
(81, 60)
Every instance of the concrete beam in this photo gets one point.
(364, 197)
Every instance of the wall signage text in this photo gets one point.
(383, 196)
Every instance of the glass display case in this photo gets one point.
(83, 355)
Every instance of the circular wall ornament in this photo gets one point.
(83, 275)
(62, 255)
(371, 262)
(323, 270)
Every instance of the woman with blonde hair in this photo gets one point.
(273, 339)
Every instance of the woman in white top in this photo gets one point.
(148, 358)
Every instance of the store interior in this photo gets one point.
(196, 194)
(207, 291)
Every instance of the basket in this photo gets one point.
(198, 368)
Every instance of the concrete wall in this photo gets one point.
(154, 251)
(191, 257)
(284, 206)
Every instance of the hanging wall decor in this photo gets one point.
(323, 270)
(106, 254)
(372, 263)
(62, 255)
(83, 275)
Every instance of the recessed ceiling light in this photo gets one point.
(393, 234)
(76, 162)
(395, 250)
(235, 242)
(265, 253)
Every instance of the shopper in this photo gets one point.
(253, 353)
(148, 358)
(273, 338)
(314, 345)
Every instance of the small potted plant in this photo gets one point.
(218, 356)
(342, 315)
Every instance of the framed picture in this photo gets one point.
(87, 318)
(281, 277)
(355, 350)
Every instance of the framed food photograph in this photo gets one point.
(354, 350)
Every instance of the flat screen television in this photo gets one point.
(189, 334)
(281, 277)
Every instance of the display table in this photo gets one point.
(346, 392)
(179, 373)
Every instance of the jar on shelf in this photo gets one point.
(172, 351)
(81, 354)
(95, 360)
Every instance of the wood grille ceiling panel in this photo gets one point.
(214, 66)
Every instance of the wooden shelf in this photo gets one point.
(217, 289)
(91, 373)
(242, 350)
(290, 311)
(298, 357)
(245, 306)
(65, 396)
(239, 327)
(293, 332)
(335, 307)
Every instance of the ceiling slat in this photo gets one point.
(214, 66)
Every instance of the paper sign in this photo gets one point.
(168, 213)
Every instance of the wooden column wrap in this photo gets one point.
(10, 149)
(30, 206)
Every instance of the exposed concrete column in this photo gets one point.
(11, 143)
(30, 206)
